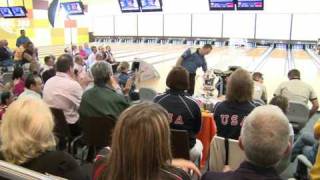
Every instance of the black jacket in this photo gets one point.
(56, 163)
(4, 54)
(185, 112)
(246, 171)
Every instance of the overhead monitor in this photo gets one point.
(222, 4)
(151, 5)
(73, 8)
(129, 5)
(250, 4)
(6, 12)
(19, 11)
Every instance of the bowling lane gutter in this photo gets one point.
(291, 61)
(288, 63)
(315, 58)
(261, 61)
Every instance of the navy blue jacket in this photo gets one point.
(185, 113)
(229, 117)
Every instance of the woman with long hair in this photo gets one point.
(140, 148)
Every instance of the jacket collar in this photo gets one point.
(263, 171)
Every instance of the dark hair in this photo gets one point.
(294, 74)
(53, 57)
(31, 80)
(257, 75)
(48, 74)
(64, 63)
(280, 101)
(5, 96)
(92, 47)
(239, 87)
(66, 50)
(47, 58)
(207, 46)
(178, 79)
(17, 73)
(22, 30)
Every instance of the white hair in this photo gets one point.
(101, 72)
(265, 135)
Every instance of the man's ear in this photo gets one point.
(240, 144)
(288, 149)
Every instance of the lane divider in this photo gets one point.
(259, 63)
(315, 58)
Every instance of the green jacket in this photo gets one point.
(101, 102)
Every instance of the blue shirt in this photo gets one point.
(192, 60)
(123, 78)
(22, 40)
(88, 51)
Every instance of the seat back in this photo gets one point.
(97, 131)
(298, 114)
(147, 94)
(11, 171)
(218, 154)
(180, 144)
(61, 128)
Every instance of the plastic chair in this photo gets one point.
(61, 129)
(11, 171)
(219, 157)
(180, 144)
(147, 94)
(97, 133)
(298, 115)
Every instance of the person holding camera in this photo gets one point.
(126, 80)
(191, 60)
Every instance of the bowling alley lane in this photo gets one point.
(236, 57)
(274, 70)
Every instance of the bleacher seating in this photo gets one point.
(11, 171)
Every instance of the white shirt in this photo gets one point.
(91, 59)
